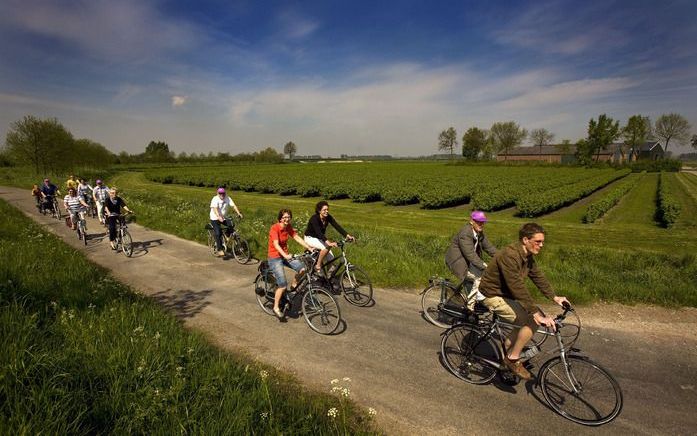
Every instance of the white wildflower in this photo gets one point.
(138, 329)
(335, 381)
(264, 415)
(372, 412)
(263, 374)
(157, 335)
(345, 392)
(332, 413)
(346, 379)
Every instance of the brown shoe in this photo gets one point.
(517, 368)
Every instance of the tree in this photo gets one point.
(505, 136)
(672, 126)
(43, 144)
(635, 133)
(601, 134)
(158, 152)
(584, 152)
(693, 141)
(473, 143)
(541, 137)
(290, 149)
(447, 140)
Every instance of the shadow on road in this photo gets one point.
(183, 303)
(141, 248)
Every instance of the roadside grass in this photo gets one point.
(83, 354)
(401, 247)
(637, 207)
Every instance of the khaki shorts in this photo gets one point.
(510, 311)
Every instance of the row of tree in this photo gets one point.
(502, 137)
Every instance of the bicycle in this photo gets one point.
(124, 242)
(319, 307)
(573, 385)
(81, 226)
(92, 206)
(51, 204)
(232, 242)
(443, 304)
(353, 282)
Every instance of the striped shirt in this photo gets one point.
(73, 203)
(101, 192)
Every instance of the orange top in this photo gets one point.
(277, 233)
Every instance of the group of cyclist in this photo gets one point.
(500, 285)
(79, 199)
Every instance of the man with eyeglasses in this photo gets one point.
(503, 286)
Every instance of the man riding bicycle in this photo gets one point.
(75, 206)
(48, 192)
(218, 211)
(100, 193)
(506, 295)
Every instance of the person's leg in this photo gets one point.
(276, 266)
(299, 268)
(218, 234)
(73, 219)
(111, 221)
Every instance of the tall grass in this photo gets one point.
(82, 354)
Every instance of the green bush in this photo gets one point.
(655, 166)
(600, 207)
(668, 206)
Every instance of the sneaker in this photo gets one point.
(278, 312)
(220, 253)
(113, 245)
(517, 368)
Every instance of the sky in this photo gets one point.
(356, 78)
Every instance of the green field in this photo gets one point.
(82, 354)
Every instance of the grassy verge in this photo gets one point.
(82, 354)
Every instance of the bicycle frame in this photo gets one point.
(443, 283)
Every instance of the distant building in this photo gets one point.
(546, 153)
(616, 153)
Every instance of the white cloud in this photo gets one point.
(178, 100)
(296, 26)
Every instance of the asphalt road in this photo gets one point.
(392, 355)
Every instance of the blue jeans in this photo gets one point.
(217, 229)
(276, 265)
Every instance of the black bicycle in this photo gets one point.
(123, 241)
(573, 385)
(232, 242)
(352, 280)
(318, 306)
(443, 303)
(80, 226)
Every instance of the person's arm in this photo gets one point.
(234, 207)
(301, 241)
(465, 240)
(123, 204)
(510, 272)
(487, 246)
(82, 202)
(342, 232)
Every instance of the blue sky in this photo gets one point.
(340, 77)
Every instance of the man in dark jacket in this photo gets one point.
(503, 285)
(464, 256)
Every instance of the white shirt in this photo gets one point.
(222, 205)
(101, 192)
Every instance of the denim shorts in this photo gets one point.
(276, 265)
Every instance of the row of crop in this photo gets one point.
(600, 207)
(668, 205)
(432, 185)
(537, 203)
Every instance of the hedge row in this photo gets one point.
(600, 207)
(668, 205)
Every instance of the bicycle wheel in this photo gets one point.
(57, 211)
(465, 354)
(587, 394)
(264, 289)
(211, 242)
(438, 297)
(126, 243)
(321, 311)
(356, 286)
(240, 249)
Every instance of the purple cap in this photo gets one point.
(478, 216)
(221, 190)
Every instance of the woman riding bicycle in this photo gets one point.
(315, 234)
(75, 206)
(464, 256)
(279, 256)
(113, 206)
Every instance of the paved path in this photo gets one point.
(391, 353)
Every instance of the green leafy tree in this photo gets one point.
(158, 152)
(602, 133)
(42, 144)
(584, 152)
(447, 140)
(290, 149)
(672, 126)
(474, 142)
(506, 135)
(541, 137)
(635, 133)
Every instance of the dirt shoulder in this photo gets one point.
(392, 355)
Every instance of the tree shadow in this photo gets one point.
(183, 303)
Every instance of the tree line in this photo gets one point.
(502, 137)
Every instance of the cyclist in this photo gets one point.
(112, 207)
(48, 192)
(279, 256)
(36, 193)
(464, 256)
(506, 295)
(75, 206)
(219, 206)
(84, 189)
(100, 193)
(71, 182)
(315, 234)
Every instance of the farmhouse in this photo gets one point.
(617, 153)
(546, 153)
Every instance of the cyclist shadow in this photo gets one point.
(183, 303)
(141, 248)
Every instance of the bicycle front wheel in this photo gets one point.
(265, 289)
(581, 390)
(321, 311)
(211, 241)
(466, 354)
(356, 286)
(126, 243)
(240, 249)
(440, 303)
